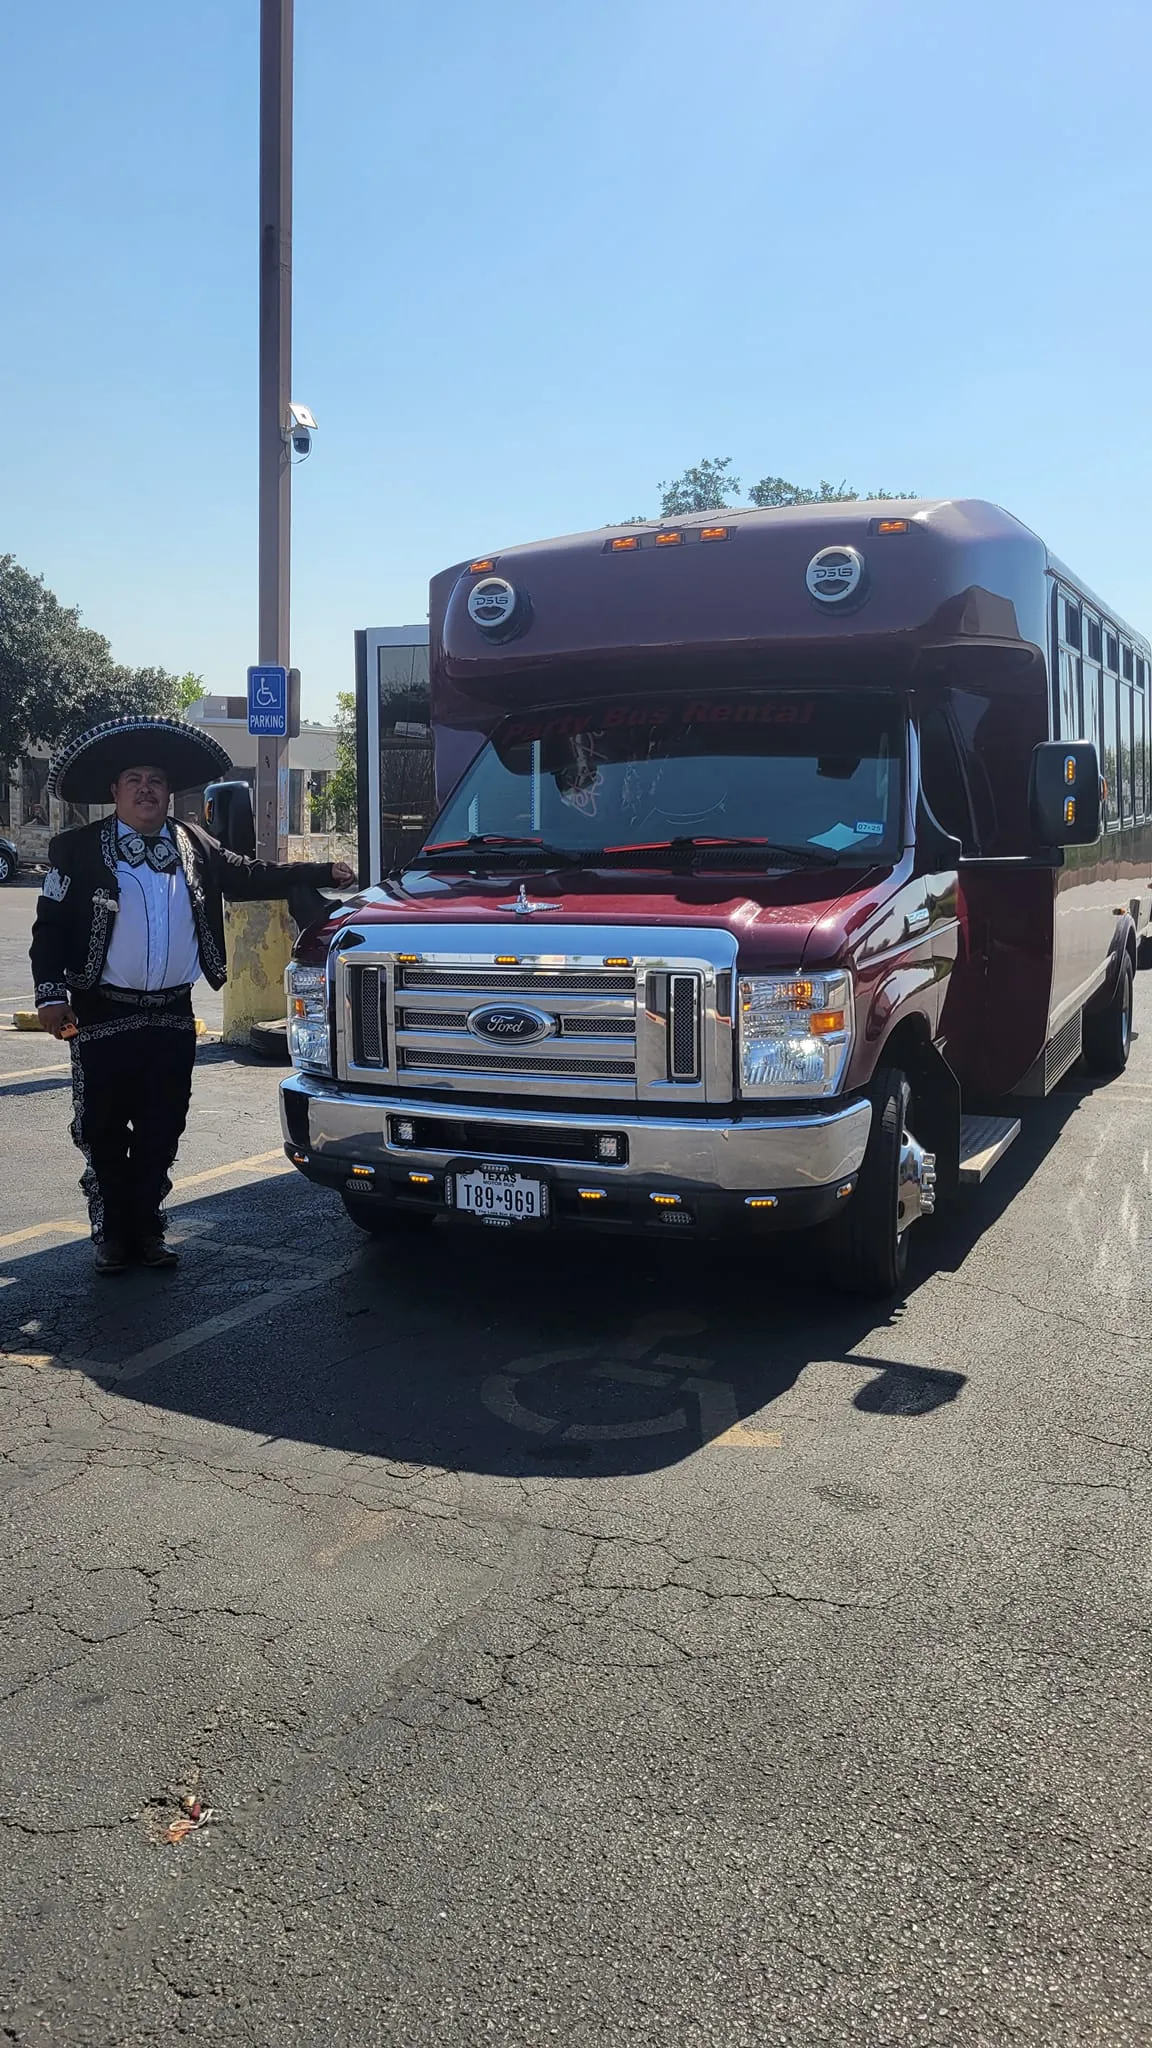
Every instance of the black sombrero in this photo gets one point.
(85, 769)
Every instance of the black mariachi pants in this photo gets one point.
(131, 1083)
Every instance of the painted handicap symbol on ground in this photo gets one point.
(693, 1398)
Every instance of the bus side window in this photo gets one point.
(1127, 771)
(1110, 751)
(1140, 738)
(942, 778)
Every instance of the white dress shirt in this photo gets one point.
(153, 935)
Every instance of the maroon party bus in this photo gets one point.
(777, 853)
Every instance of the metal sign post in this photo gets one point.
(275, 390)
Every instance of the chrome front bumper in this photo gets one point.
(336, 1128)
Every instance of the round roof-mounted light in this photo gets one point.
(835, 575)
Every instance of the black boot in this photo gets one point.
(155, 1253)
(110, 1257)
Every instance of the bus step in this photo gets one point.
(983, 1142)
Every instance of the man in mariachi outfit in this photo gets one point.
(131, 915)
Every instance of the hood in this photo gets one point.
(779, 921)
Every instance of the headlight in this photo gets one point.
(795, 1033)
(308, 1018)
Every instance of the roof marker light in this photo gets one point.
(761, 1202)
(892, 526)
(482, 567)
(626, 545)
(713, 533)
(665, 1201)
(506, 959)
(1069, 767)
(669, 540)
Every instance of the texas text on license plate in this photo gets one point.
(501, 1195)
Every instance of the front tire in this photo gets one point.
(1108, 1034)
(7, 867)
(377, 1219)
(866, 1248)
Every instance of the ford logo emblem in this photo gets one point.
(509, 1024)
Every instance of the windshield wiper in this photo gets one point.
(490, 842)
(800, 856)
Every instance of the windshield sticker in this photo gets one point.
(836, 838)
(870, 828)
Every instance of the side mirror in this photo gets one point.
(229, 817)
(1064, 793)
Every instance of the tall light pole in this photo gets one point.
(259, 935)
(275, 395)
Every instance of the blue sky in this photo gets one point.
(546, 256)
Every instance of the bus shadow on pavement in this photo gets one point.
(479, 1351)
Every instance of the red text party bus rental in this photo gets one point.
(776, 849)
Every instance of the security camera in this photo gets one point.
(300, 429)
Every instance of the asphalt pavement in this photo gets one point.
(600, 1642)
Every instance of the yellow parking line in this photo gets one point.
(30, 1073)
(44, 1230)
(195, 1180)
(69, 1228)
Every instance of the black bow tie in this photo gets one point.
(159, 853)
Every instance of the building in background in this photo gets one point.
(31, 817)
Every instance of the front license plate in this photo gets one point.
(500, 1195)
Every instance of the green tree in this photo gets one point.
(334, 808)
(706, 488)
(189, 690)
(57, 676)
(776, 490)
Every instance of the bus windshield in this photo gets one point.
(789, 775)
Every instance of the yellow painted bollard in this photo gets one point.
(259, 938)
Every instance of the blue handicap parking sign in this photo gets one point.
(268, 702)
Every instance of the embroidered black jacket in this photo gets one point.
(81, 896)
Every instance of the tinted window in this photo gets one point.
(817, 770)
(1110, 752)
(1072, 623)
(1113, 647)
(1069, 706)
(1128, 663)
(942, 778)
(1094, 637)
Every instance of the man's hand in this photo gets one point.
(343, 877)
(58, 1018)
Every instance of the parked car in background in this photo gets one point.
(9, 861)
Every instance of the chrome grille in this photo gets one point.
(521, 981)
(651, 1032)
(366, 990)
(596, 1027)
(683, 1027)
(432, 1020)
(516, 1063)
